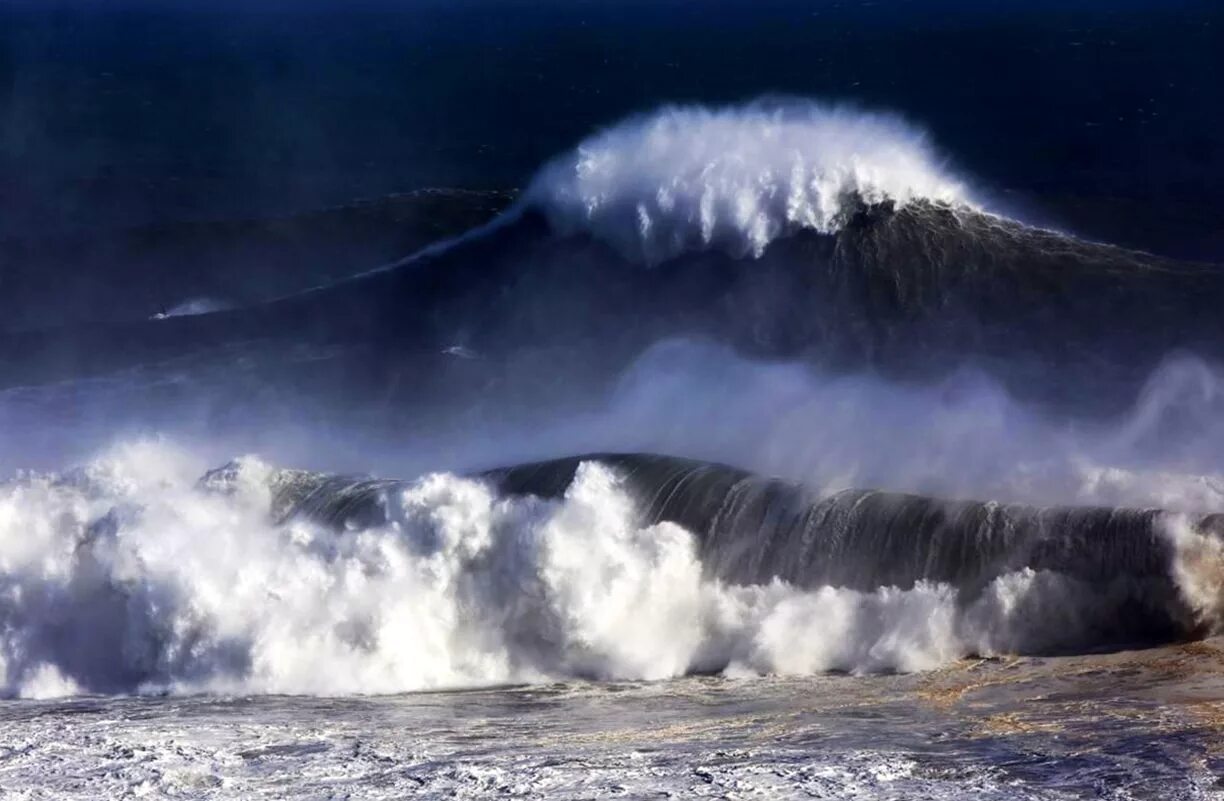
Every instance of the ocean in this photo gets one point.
(579, 400)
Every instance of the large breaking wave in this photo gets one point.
(129, 575)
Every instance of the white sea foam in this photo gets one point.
(1198, 567)
(191, 308)
(688, 177)
(125, 576)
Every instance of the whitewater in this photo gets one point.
(738, 178)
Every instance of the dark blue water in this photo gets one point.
(1098, 117)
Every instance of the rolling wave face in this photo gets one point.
(690, 178)
(1143, 574)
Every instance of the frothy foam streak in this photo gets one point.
(690, 178)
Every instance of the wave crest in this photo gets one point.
(737, 178)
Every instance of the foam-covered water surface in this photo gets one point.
(1139, 725)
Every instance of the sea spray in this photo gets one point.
(690, 177)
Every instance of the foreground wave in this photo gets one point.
(1153, 575)
(134, 575)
